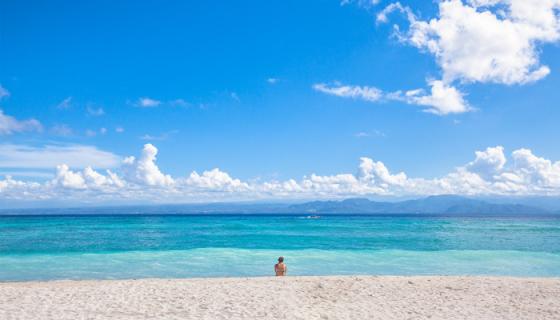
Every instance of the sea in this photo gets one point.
(42, 246)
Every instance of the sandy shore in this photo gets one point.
(353, 297)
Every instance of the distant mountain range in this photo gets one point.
(435, 205)
(446, 204)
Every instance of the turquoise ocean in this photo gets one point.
(48, 247)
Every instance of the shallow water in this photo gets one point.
(140, 246)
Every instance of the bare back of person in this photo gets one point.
(280, 268)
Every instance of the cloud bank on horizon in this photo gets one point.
(140, 179)
(474, 41)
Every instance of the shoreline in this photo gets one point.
(291, 297)
(301, 277)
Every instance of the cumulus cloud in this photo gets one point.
(10, 125)
(85, 179)
(88, 178)
(489, 162)
(480, 41)
(144, 169)
(475, 41)
(490, 173)
(535, 171)
(20, 190)
(443, 99)
(140, 179)
(68, 179)
(489, 41)
(375, 172)
(215, 179)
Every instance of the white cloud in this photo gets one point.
(361, 3)
(91, 133)
(97, 180)
(68, 179)
(49, 156)
(65, 104)
(490, 173)
(374, 133)
(119, 129)
(345, 91)
(61, 130)
(489, 41)
(10, 125)
(362, 135)
(96, 112)
(179, 103)
(272, 80)
(160, 137)
(376, 172)
(489, 162)
(441, 100)
(86, 179)
(149, 137)
(483, 41)
(478, 41)
(382, 16)
(144, 169)
(3, 92)
(215, 179)
(146, 102)
(20, 190)
(536, 171)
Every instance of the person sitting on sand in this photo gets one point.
(280, 268)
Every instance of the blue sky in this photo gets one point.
(234, 86)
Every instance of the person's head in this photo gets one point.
(281, 259)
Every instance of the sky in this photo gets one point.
(183, 101)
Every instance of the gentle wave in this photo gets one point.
(231, 262)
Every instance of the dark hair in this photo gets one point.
(281, 259)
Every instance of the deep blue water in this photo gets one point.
(140, 246)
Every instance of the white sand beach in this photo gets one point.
(335, 297)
